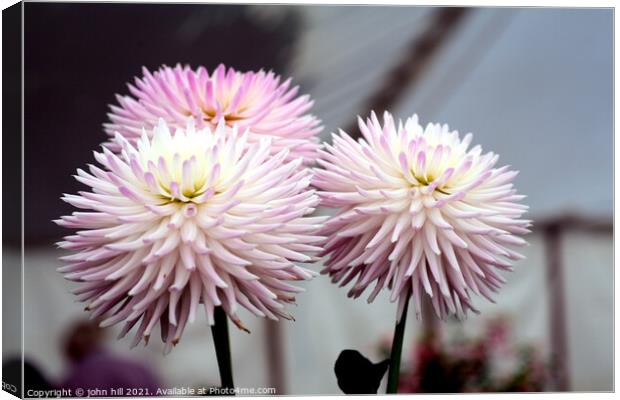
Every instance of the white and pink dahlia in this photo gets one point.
(257, 101)
(193, 218)
(419, 212)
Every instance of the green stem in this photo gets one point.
(397, 350)
(222, 347)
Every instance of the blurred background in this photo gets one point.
(534, 85)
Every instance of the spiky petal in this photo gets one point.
(194, 217)
(420, 212)
(257, 101)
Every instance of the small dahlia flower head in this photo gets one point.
(419, 212)
(198, 217)
(257, 101)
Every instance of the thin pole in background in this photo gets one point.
(275, 356)
(552, 235)
(428, 317)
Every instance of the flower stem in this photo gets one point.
(222, 347)
(397, 350)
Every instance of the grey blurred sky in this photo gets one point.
(533, 84)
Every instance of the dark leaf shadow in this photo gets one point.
(358, 375)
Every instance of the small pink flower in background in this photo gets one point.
(420, 212)
(194, 217)
(252, 100)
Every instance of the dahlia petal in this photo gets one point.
(448, 212)
(198, 216)
(254, 101)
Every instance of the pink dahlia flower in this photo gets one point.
(257, 101)
(197, 217)
(419, 212)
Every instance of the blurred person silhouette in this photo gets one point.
(93, 366)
